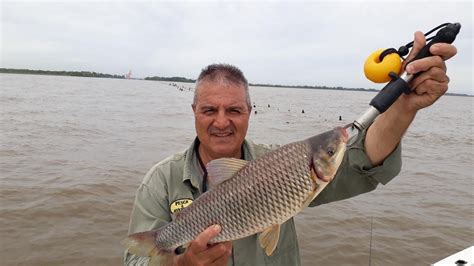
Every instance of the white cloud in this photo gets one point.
(273, 42)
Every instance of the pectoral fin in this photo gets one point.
(269, 239)
(319, 185)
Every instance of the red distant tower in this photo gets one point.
(129, 75)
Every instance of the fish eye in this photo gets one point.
(331, 151)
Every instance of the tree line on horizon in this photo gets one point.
(156, 78)
(186, 80)
(61, 73)
(176, 79)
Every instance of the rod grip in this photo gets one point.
(390, 93)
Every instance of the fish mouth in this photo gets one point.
(345, 134)
(319, 174)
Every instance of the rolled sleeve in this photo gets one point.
(357, 175)
(383, 173)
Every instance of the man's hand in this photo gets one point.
(387, 130)
(433, 82)
(199, 252)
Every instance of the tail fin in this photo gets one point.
(143, 244)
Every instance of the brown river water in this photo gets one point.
(73, 151)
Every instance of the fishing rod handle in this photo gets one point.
(390, 93)
(383, 100)
(445, 35)
(398, 85)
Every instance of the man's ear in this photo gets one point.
(194, 108)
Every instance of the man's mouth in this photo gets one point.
(222, 134)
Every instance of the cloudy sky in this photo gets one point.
(294, 43)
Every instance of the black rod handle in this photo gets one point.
(390, 93)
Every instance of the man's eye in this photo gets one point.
(208, 111)
(235, 111)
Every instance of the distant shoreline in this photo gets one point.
(178, 79)
(60, 73)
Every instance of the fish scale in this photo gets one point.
(260, 195)
(252, 196)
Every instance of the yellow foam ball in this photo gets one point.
(377, 71)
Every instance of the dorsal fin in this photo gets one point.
(220, 170)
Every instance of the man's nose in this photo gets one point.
(222, 121)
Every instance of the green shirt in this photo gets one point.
(179, 179)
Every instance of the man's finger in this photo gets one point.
(418, 43)
(217, 251)
(445, 50)
(224, 255)
(434, 88)
(433, 73)
(425, 64)
(201, 241)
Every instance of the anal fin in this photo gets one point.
(269, 239)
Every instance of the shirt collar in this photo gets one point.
(193, 171)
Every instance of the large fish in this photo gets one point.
(246, 198)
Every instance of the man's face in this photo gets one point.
(221, 118)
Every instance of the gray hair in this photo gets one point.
(226, 73)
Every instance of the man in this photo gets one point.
(222, 110)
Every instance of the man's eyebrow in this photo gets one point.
(236, 107)
(203, 105)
